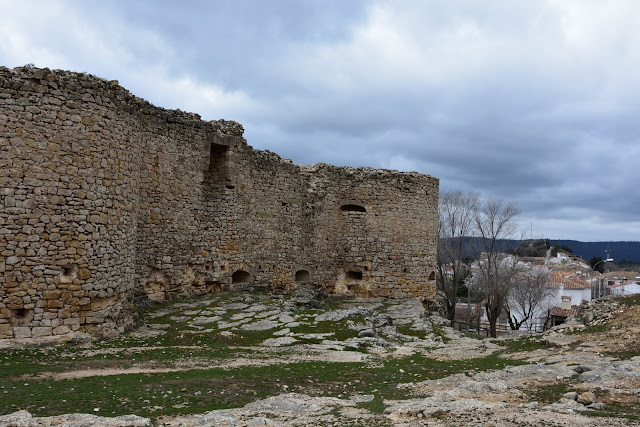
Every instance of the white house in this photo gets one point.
(565, 259)
(569, 290)
(572, 291)
(571, 285)
(621, 283)
(626, 289)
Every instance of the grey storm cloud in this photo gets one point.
(535, 102)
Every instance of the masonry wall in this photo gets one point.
(67, 219)
(391, 245)
(106, 200)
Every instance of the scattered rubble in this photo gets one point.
(599, 311)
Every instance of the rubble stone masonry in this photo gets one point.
(106, 200)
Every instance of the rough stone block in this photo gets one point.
(40, 331)
(61, 330)
(22, 332)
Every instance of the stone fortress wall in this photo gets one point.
(105, 198)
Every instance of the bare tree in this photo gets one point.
(530, 297)
(455, 222)
(494, 222)
(494, 280)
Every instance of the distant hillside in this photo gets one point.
(629, 251)
(620, 251)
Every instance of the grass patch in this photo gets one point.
(629, 300)
(522, 344)
(438, 331)
(625, 354)
(624, 406)
(550, 393)
(198, 391)
(593, 329)
(212, 387)
(410, 331)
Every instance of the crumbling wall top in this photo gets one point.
(117, 95)
(365, 172)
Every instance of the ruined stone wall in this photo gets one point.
(105, 198)
(272, 220)
(374, 231)
(67, 212)
(173, 231)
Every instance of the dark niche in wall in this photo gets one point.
(68, 273)
(240, 276)
(354, 275)
(217, 159)
(21, 317)
(302, 276)
(352, 208)
(218, 174)
(432, 276)
(212, 286)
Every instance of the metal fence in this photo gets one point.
(482, 328)
(473, 328)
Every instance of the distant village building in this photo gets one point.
(620, 283)
(572, 291)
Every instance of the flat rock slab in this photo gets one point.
(431, 405)
(339, 315)
(279, 342)
(25, 419)
(621, 375)
(261, 325)
(257, 307)
(204, 320)
(236, 306)
(243, 315)
(285, 409)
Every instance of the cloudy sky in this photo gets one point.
(537, 102)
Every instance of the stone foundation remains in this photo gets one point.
(105, 198)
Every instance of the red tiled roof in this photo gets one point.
(630, 275)
(565, 312)
(573, 282)
(562, 273)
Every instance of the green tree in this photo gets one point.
(595, 260)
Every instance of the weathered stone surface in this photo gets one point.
(615, 375)
(500, 397)
(586, 398)
(309, 297)
(284, 409)
(572, 395)
(25, 419)
(339, 315)
(106, 200)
